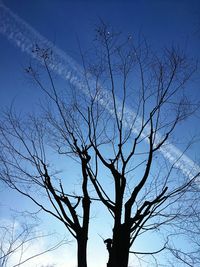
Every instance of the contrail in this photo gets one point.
(22, 35)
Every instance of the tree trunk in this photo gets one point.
(82, 252)
(119, 254)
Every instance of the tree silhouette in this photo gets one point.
(150, 187)
(17, 240)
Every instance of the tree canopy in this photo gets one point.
(117, 119)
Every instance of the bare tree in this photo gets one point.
(187, 229)
(149, 189)
(25, 169)
(17, 240)
(148, 193)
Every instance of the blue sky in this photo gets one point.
(163, 23)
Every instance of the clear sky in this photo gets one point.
(163, 23)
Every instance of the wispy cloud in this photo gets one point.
(22, 35)
(27, 246)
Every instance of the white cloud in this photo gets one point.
(21, 242)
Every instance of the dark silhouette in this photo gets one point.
(108, 243)
(118, 152)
